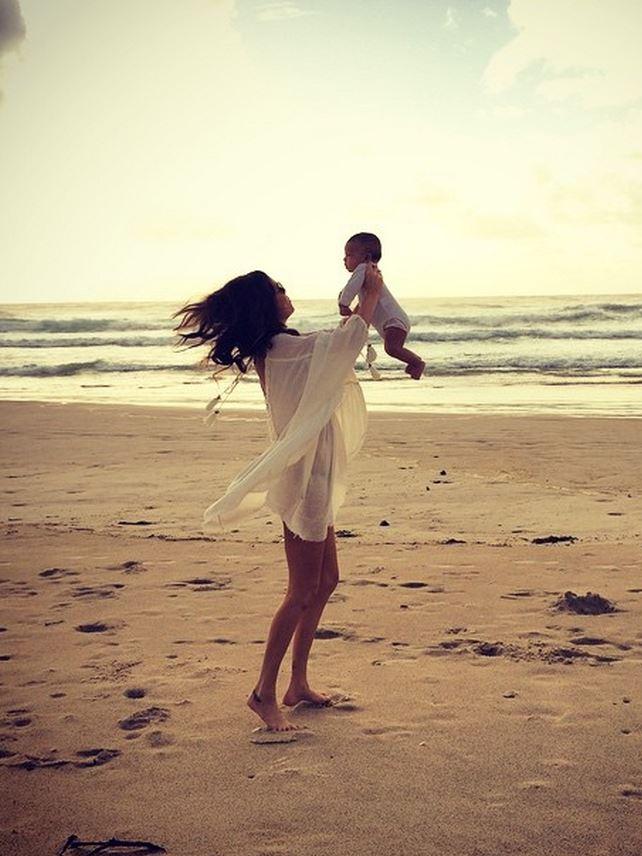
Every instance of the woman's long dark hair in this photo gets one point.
(238, 321)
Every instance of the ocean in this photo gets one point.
(568, 354)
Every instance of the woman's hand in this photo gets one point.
(370, 292)
(373, 282)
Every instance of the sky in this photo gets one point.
(153, 149)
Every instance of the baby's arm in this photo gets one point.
(344, 310)
(352, 288)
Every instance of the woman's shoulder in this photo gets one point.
(285, 345)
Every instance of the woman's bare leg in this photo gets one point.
(299, 689)
(305, 561)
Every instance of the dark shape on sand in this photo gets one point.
(489, 649)
(345, 533)
(555, 539)
(588, 604)
(384, 523)
(96, 627)
(110, 847)
(135, 523)
(443, 473)
(135, 692)
(452, 541)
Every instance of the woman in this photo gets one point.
(317, 423)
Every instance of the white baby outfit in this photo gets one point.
(317, 421)
(387, 313)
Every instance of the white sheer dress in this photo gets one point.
(317, 422)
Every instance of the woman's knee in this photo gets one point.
(299, 599)
(328, 582)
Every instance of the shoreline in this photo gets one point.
(373, 411)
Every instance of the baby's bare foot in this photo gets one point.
(296, 694)
(269, 713)
(416, 370)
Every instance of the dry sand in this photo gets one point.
(477, 719)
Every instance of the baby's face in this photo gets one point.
(353, 256)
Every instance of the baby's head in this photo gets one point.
(362, 247)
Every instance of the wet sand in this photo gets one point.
(475, 716)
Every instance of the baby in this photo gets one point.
(389, 319)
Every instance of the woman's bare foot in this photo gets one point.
(269, 713)
(295, 694)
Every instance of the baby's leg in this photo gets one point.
(394, 344)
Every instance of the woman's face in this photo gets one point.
(283, 302)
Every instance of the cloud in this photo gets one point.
(499, 226)
(451, 22)
(12, 25)
(488, 12)
(12, 28)
(610, 200)
(280, 10)
(583, 49)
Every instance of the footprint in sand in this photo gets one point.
(360, 582)
(199, 584)
(58, 573)
(334, 633)
(96, 757)
(432, 589)
(158, 739)
(387, 731)
(131, 566)
(96, 592)
(514, 595)
(95, 627)
(16, 719)
(534, 785)
(558, 763)
(143, 718)
(9, 588)
(337, 701)
(91, 758)
(264, 737)
(39, 762)
(632, 791)
(345, 703)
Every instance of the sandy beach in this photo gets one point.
(475, 715)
